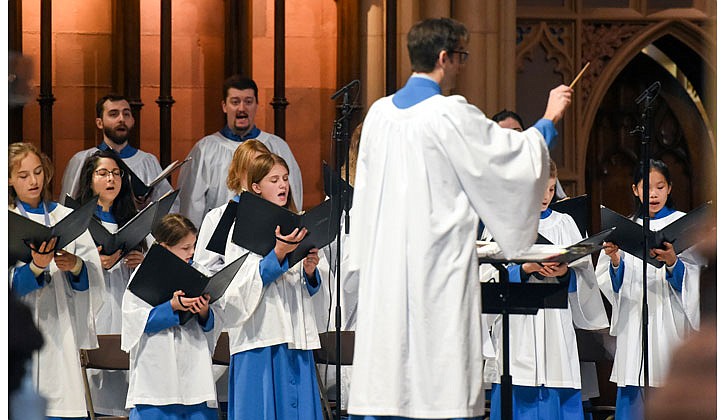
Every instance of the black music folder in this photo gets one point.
(577, 208)
(489, 252)
(141, 189)
(165, 203)
(257, 218)
(628, 234)
(333, 182)
(22, 232)
(218, 240)
(162, 273)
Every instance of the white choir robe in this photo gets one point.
(203, 181)
(65, 318)
(672, 314)
(261, 316)
(172, 366)
(145, 165)
(325, 302)
(425, 175)
(543, 346)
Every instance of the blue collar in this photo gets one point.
(664, 212)
(236, 198)
(104, 216)
(125, 153)
(546, 213)
(416, 90)
(230, 134)
(50, 205)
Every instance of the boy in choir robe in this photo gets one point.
(202, 181)
(115, 120)
(62, 288)
(673, 297)
(170, 364)
(544, 359)
(429, 166)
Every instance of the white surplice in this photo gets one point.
(425, 174)
(672, 314)
(203, 181)
(172, 366)
(543, 346)
(65, 318)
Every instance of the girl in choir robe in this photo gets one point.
(170, 365)
(236, 179)
(672, 297)
(544, 359)
(103, 175)
(269, 314)
(212, 261)
(63, 288)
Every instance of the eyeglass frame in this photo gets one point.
(113, 174)
(462, 53)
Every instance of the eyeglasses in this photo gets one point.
(116, 173)
(463, 55)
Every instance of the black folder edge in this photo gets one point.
(148, 213)
(524, 298)
(165, 203)
(628, 234)
(576, 207)
(216, 285)
(257, 235)
(218, 240)
(141, 189)
(83, 213)
(331, 179)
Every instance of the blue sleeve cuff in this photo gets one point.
(514, 273)
(161, 317)
(210, 323)
(79, 282)
(24, 281)
(676, 277)
(313, 284)
(572, 280)
(617, 276)
(271, 269)
(547, 129)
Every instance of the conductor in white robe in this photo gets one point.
(115, 120)
(202, 181)
(429, 166)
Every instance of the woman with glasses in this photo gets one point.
(103, 174)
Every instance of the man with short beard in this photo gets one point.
(202, 181)
(114, 119)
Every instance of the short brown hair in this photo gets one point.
(237, 174)
(553, 171)
(16, 153)
(173, 228)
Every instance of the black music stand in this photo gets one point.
(508, 298)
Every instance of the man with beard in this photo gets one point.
(202, 181)
(114, 119)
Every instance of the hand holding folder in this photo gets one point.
(257, 219)
(628, 235)
(23, 232)
(162, 273)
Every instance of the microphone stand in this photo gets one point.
(341, 197)
(648, 96)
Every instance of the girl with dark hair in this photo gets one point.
(63, 288)
(269, 314)
(105, 178)
(171, 363)
(672, 297)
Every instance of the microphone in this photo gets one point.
(345, 88)
(650, 92)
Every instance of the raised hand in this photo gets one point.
(133, 259)
(288, 243)
(108, 261)
(612, 251)
(65, 261)
(666, 255)
(43, 255)
(559, 100)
